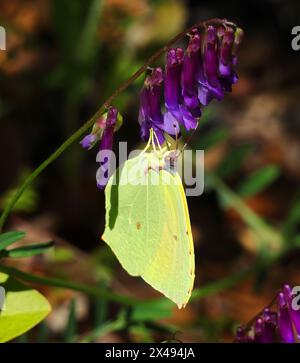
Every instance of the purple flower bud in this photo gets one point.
(108, 133)
(209, 85)
(175, 110)
(270, 320)
(191, 67)
(150, 115)
(173, 94)
(258, 331)
(88, 140)
(241, 335)
(285, 324)
(225, 52)
(106, 145)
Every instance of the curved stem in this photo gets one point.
(8, 208)
(99, 292)
(105, 294)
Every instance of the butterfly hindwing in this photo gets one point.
(148, 227)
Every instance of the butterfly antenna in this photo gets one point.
(158, 143)
(152, 140)
(148, 143)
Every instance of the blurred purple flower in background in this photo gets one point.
(282, 325)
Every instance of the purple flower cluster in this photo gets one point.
(282, 325)
(103, 131)
(192, 78)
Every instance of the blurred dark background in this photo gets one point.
(64, 58)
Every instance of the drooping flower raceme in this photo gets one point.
(172, 99)
(192, 79)
(282, 325)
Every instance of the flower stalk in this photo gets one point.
(83, 129)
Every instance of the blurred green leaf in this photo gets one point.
(101, 307)
(143, 332)
(63, 254)
(27, 251)
(71, 327)
(212, 138)
(152, 310)
(43, 333)
(258, 181)
(292, 221)
(24, 308)
(233, 160)
(86, 46)
(107, 327)
(28, 200)
(267, 236)
(8, 238)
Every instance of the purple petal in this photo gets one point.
(190, 69)
(258, 331)
(106, 142)
(160, 134)
(241, 335)
(173, 93)
(145, 132)
(171, 125)
(285, 324)
(190, 122)
(210, 57)
(270, 324)
(209, 84)
(225, 52)
(111, 118)
(150, 115)
(103, 174)
(88, 140)
(294, 314)
(206, 93)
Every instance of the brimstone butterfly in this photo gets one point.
(148, 225)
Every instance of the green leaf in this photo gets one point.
(266, 235)
(233, 160)
(24, 307)
(27, 251)
(258, 181)
(8, 238)
(42, 334)
(107, 327)
(292, 220)
(71, 327)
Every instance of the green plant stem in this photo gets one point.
(77, 134)
(55, 282)
(209, 289)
